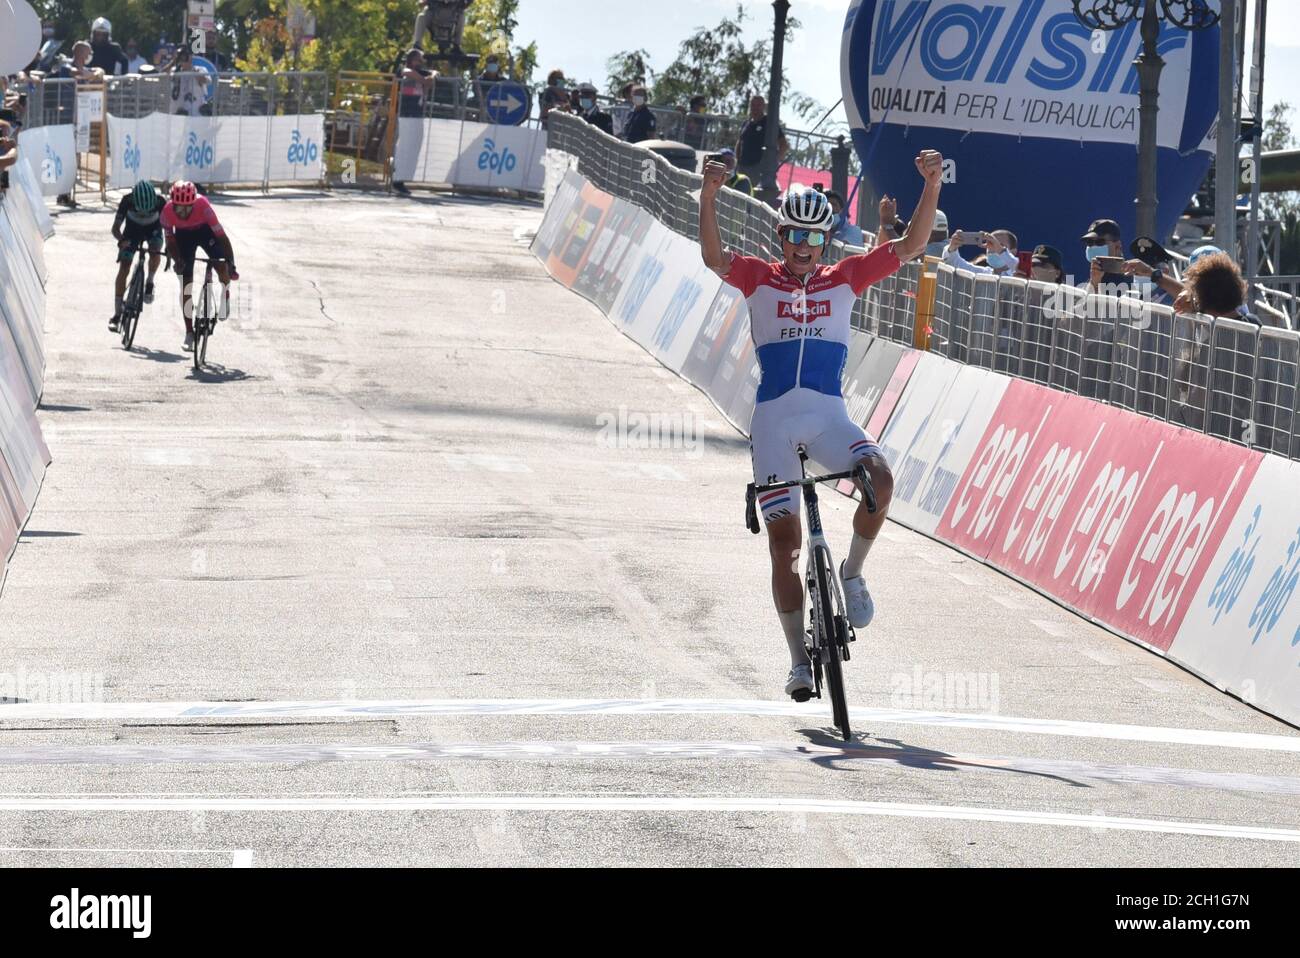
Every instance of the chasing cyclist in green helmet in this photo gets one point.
(136, 224)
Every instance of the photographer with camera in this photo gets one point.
(1000, 251)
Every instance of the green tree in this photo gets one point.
(490, 28)
(629, 66)
(350, 35)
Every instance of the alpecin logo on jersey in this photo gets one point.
(803, 311)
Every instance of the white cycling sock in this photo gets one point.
(858, 550)
(793, 624)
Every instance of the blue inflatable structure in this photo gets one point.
(1038, 115)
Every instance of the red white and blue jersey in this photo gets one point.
(800, 327)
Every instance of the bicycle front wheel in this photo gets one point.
(830, 650)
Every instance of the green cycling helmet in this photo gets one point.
(145, 197)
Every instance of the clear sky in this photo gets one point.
(578, 37)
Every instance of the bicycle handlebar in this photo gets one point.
(857, 473)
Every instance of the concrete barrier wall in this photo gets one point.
(1185, 544)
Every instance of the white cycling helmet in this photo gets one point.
(101, 23)
(806, 209)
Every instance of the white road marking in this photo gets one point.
(1006, 603)
(1159, 685)
(623, 803)
(554, 751)
(1055, 629)
(240, 857)
(1102, 658)
(359, 708)
(963, 579)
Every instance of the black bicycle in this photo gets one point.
(829, 632)
(133, 305)
(205, 314)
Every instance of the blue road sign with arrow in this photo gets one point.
(507, 103)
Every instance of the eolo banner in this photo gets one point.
(1038, 114)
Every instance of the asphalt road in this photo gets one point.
(512, 637)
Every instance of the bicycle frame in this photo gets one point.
(830, 632)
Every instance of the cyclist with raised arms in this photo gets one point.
(137, 224)
(799, 316)
(190, 223)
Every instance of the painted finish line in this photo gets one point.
(512, 707)
(623, 803)
(1069, 772)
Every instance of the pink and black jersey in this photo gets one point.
(202, 215)
(801, 328)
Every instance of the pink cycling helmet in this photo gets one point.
(184, 193)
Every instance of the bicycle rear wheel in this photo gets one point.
(830, 651)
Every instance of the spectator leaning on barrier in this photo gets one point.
(589, 109)
(107, 55)
(78, 68)
(753, 136)
(844, 231)
(1103, 239)
(1047, 265)
(999, 252)
(1213, 286)
(640, 124)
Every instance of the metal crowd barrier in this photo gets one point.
(50, 102)
(1224, 377)
(231, 94)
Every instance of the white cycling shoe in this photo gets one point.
(861, 609)
(799, 686)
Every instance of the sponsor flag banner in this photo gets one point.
(469, 154)
(1022, 85)
(1242, 631)
(1116, 515)
(893, 390)
(51, 152)
(225, 149)
(934, 451)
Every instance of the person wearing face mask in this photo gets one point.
(1046, 265)
(938, 241)
(555, 96)
(1103, 239)
(590, 110)
(842, 230)
(640, 123)
(999, 252)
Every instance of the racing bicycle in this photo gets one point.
(829, 633)
(133, 305)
